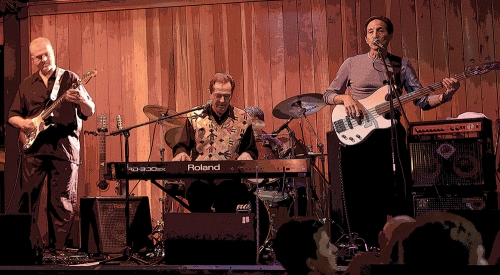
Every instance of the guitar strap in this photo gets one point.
(57, 84)
(396, 69)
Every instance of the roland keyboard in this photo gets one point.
(209, 169)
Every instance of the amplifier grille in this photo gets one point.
(460, 162)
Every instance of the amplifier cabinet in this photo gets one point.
(476, 202)
(103, 224)
(453, 163)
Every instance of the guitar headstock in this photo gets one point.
(86, 77)
(102, 123)
(484, 68)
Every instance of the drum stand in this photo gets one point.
(159, 250)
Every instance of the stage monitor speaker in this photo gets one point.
(453, 163)
(210, 238)
(15, 245)
(103, 229)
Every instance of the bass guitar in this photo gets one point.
(27, 139)
(352, 131)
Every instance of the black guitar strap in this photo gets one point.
(396, 69)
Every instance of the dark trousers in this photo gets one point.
(62, 179)
(373, 190)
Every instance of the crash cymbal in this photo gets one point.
(155, 112)
(173, 136)
(258, 124)
(299, 106)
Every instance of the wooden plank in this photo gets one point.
(320, 121)
(141, 138)
(247, 28)
(61, 46)
(167, 64)
(219, 39)
(349, 27)
(277, 62)
(183, 95)
(487, 54)
(58, 7)
(291, 46)
(377, 7)
(115, 144)
(440, 50)
(101, 97)
(88, 63)
(262, 58)
(194, 56)
(306, 65)
(456, 54)
(234, 50)
(425, 56)
(408, 30)
(207, 48)
(366, 10)
(471, 54)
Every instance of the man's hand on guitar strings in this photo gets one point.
(27, 126)
(73, 95)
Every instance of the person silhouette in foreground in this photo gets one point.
(304, 247)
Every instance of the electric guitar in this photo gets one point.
(26, 139)
(352, 131)
(102, 128)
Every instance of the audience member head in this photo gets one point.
(304, 247)
(255, 112)
(437, 239)
(386, 234)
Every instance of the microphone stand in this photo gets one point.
(392, 93)
(127, 252)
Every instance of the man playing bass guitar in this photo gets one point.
(374, 186)
(54, 155)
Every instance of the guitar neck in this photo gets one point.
(102, 155)
(409, 97)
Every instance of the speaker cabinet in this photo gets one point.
(453, 163)
(335, 177)
(15, 245)
(210, 238)
(103, 224)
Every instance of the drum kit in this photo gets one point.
(275, 194)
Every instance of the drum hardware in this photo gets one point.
(298, 107)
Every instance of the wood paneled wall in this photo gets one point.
(148, 52)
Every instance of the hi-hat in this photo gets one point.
(299, 106)
(155, 112)
(173, 136)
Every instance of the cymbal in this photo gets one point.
(258, 124)
(173, 136)
(155, 112)
(299, 106)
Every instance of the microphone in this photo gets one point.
(282, 127)
(377, 43)
(205, 106)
